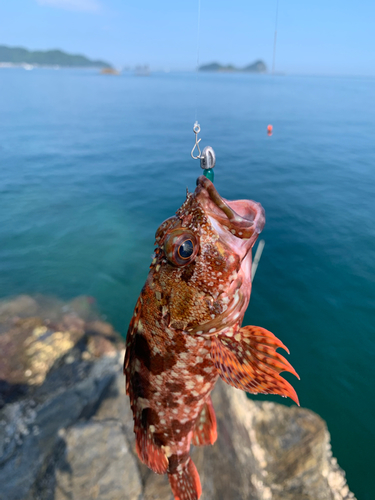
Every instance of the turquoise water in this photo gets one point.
(90, 165)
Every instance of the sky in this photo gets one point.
(313, 37)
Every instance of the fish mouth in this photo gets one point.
(239, 221)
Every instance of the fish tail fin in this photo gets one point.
(205, 429)
(248, 360)
(185, 483)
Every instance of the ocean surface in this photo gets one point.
(90, 165)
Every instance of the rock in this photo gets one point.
(67, 431)
(102, 339)
(23, 305)
(264, 451)
(48, 381)
(29, 429)
(94, 462)
(85, 307)
(32, 346)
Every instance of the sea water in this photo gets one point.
(90, 165)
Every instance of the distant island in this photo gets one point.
(256, 67)
(15, 56)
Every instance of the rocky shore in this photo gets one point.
(66, 430)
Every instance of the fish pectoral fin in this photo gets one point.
(148, 452)
(185, 483)
(205, 429)
(248, 361)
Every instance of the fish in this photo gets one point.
(186, 332)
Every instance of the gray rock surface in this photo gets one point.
(69, 435)
(29, 430)
(93, 464)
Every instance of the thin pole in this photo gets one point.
(275, 38)
(258, 255)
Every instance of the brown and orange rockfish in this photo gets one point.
(186, 333)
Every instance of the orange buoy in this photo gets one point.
(269, 130)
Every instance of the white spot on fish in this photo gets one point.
(143, 403)
(137, 365)
(169, 333)
(155, 350)
(167, 451)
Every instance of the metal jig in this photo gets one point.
(207, 156)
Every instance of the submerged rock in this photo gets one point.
(38, 334)
(67, 431)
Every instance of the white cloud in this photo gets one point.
(82, 5)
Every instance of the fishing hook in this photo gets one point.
(196, 130)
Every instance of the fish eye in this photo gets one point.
(186, 249)
(181, 247)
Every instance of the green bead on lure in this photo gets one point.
(209, 173)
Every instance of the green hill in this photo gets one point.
(19, 55)
(256, 67)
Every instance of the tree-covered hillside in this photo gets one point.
(19, 55)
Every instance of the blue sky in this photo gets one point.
(315, 37)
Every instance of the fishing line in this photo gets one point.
(207, 156)
(275, 38)
(197, 67)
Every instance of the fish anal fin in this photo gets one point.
(248, 361)
(149, 453)
(205, 430)
(185, 483)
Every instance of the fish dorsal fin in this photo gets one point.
(205, 431)
(247, 360)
